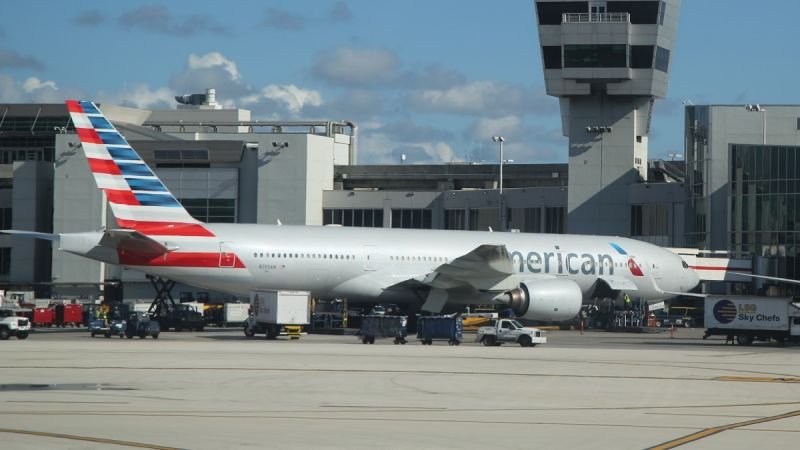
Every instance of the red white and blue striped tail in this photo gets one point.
(138, 199)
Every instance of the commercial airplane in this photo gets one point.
(540, 276)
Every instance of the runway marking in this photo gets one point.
(759, 379)
(423, 372)
(74, 437)
(714, 430)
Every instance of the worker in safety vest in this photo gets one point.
(627, 299)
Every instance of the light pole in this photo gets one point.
(501, 225)
(763, 111)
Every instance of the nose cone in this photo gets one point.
(692, 279)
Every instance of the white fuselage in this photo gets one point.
(362, 264)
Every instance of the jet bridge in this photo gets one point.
(715, 265)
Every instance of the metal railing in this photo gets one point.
(595, 17)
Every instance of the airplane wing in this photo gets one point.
(764, 277)
(479, 269)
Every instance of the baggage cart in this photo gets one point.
(381, 326)
(440, 328)
(43, 317)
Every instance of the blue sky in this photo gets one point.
(430, 79)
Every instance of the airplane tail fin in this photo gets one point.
(138, 199)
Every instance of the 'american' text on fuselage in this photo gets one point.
(561, 263)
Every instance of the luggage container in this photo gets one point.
(43, 317)
(68, 315)
(381, 326)
(440, 328)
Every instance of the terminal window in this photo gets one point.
(555, 220)
(5, 261)
(353, 217)
(550, 13)
(552, 56)
(642, 56)
(211, 210)
(662, 59)
(641, 13)
(5, 218)
(412, 218)
(601, 55)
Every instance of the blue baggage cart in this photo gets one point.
(440, 328)
(381, 326)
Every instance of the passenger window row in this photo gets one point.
(280, 255)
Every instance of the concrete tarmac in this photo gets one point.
(217, 389)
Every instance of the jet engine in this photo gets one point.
(549, 299)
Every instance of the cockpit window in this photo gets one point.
(685, 266)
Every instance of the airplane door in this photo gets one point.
(369, 258)
(226, 256)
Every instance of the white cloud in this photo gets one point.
(140, 96)
(354, 67)
(214, 59)
(485, 98)
(506, 125)
(293, 97)
(33, 83)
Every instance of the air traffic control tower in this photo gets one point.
(607, 62)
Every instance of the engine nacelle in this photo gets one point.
(554, 299)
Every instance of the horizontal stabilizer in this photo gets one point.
(32, 234)
(133, 242)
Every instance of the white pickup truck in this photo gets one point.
(509, 330)
(13, 325)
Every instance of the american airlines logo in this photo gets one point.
(572, 263)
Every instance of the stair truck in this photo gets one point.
(750, 318)
(277, 313)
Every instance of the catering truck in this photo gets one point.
(749, 318)
(278, 313)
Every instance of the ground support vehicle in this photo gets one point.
(751, 318)
(509, 330)
(382, 326)
(664, 320)
(13, 324)
(440, 328)
(139, 324)
(276, 313)
(180, 317)
(107, 328)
